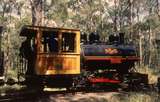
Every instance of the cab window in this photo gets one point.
(49, 41)
(68, 42)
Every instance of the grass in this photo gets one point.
(152, 73)
(5, 89)
(136, 97)
(12, 74)
(142, 97)
(12, 77)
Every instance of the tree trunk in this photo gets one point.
(150, 47)
(150, 38)
(36, 12)
(130, 17)
(115, 18)
(3, 12)
(120, 14)
(158, 8)
(140, 38)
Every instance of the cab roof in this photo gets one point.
(29, 30)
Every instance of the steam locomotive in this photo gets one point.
(60, 57)
(111, 63)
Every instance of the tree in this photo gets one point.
(37, 12)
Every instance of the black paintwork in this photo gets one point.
(99, 50)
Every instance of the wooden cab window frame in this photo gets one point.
(50, 41)
(68, 42)
(43, 47)
(76, 46)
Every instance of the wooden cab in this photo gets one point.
(57, 50)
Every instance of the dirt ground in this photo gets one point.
(82, 97)
(101, 97)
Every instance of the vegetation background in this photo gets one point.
(139, 19)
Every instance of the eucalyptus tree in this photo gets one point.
(7, 20)
(158, 8)
(91, 13)
(55, 13)
(37, 13)
(138, 27)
